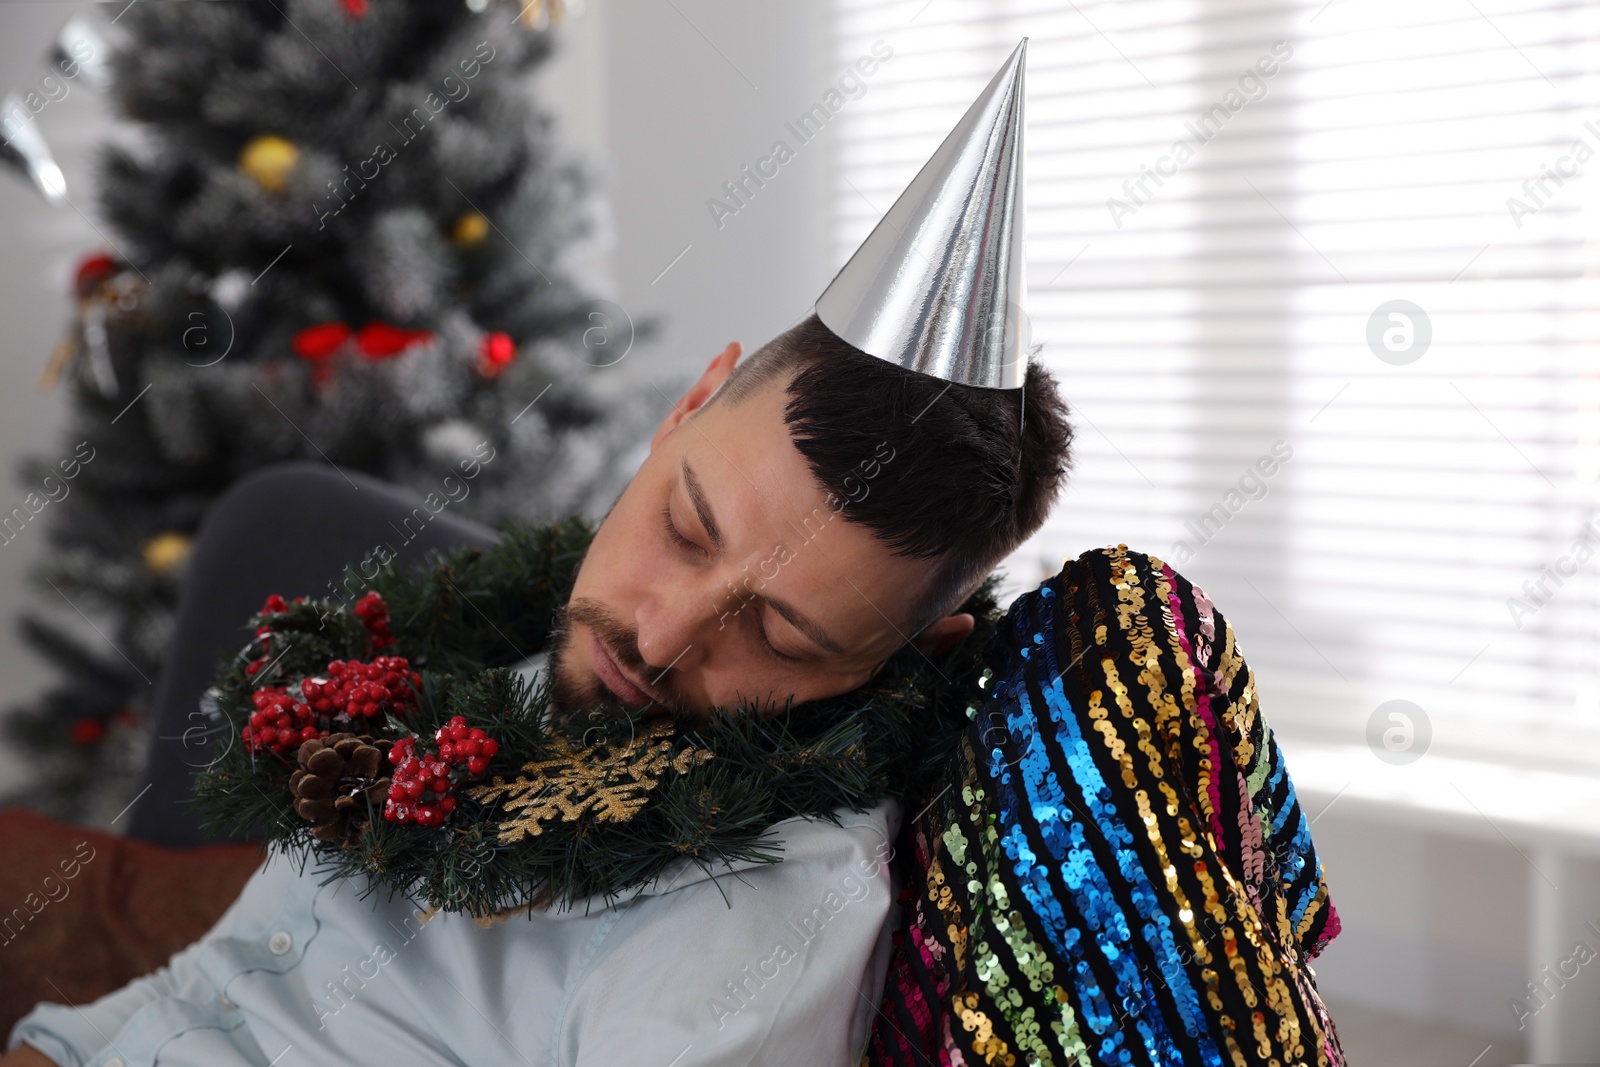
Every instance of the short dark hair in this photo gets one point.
(973, 471)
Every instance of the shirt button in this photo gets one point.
(115, 1061)
(280, 943)
(225, 1004)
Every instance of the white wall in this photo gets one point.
(39, 248)
(1434, 927)
(668, 101)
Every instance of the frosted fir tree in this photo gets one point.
(341, 238)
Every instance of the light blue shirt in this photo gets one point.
(786, 971)
(778, 964)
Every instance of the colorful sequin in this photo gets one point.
(1120, 872)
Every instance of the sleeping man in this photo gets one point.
(1107, 865)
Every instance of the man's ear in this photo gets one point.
(713, 376)
(944, 635)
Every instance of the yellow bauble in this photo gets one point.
(469, 229)
(269, 159)
(165, 553)
(542, 14)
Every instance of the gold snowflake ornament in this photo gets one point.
(611, 782)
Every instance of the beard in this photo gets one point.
(574, 693)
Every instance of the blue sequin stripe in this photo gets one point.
(1156, 927)
(1063, 933)
(1085, 875)
(1185, 999)
(1306, 873)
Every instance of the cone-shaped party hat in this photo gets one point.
(937, 286)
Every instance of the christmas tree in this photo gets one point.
(342, 238)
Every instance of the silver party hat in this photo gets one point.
(937, 286)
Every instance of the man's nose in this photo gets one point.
(676, 627)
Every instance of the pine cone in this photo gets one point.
(338, 774)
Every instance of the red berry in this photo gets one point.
(440, 785)
(476, 765)
(489, 747)
(447, 804)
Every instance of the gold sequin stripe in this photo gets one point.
(1284, 986)
(1085, 610)
(1169, 821)
(1300, 1016)
(1254, 752)
(1271, 1014)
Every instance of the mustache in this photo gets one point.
(622, 642)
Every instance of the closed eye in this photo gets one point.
(766, 643)
(673, 533)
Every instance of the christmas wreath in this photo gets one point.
(390, 740)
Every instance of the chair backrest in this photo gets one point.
(292, 529)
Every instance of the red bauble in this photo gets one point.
(92, 270)
(495, 353)
(379, 340)
(320, 341)
(88, 730)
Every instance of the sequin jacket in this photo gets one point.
(1118, 871)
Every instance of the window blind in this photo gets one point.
(1317, 279)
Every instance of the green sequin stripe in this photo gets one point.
(1004, 955)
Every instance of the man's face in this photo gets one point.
(724, 573)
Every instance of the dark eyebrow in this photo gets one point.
(817, 634)
(702, 508)
(697, 497)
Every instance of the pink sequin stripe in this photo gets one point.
(911, 997)
(906, 991)
(1202, 693)
(1330, 930)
